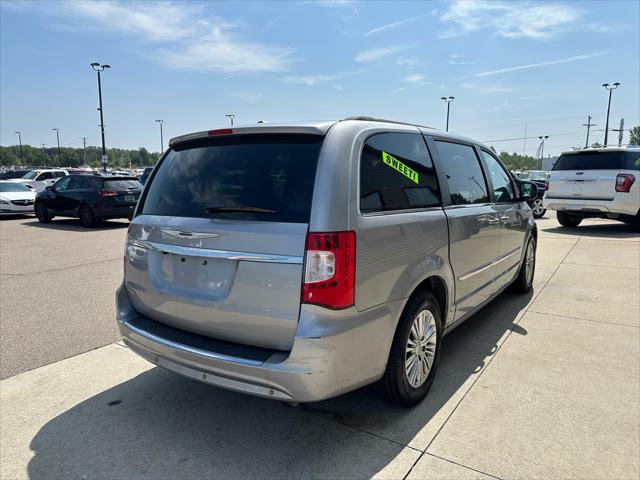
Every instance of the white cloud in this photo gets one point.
(390, 26)
(183, 34)
(407, 62)
(600, 28)
(509, 20)
(309, 80)
(541, 64)
(457, 59)
(247, 97)
(505, 106)
(414, 78)
(338, 87)
(378, 53)
(486, 89)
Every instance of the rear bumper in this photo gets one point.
(334, 352)
(617, 206)
(115, 212)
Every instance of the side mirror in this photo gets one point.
(49, 187)
(528, 190)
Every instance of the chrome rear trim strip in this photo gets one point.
(210, 253)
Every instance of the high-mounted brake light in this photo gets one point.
(624, 182)
(107, 193)
(221, 131)
(330, 269)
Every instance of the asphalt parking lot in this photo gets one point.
(541, 386)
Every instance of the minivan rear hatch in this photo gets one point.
(218, 241)
(586, 175)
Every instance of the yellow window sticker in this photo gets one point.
(397, 165)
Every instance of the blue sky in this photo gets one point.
(190, 63)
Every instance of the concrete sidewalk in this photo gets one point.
(541, 386)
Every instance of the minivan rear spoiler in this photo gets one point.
(262, 129)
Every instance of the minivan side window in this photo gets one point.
(464, 175)
(396, 173)
(503, 190)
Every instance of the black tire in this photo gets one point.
(524, 282)
(87, 216)
(536, 207)
(635, 223)
(42, 213)
(567, 220)
(395, 383)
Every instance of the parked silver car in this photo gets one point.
(299, 262)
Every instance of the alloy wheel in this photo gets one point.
(529, 262)
(537, 207)
(421, 348)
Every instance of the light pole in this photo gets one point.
(84, 150)
(57, 130)
(448, 101)
(542, 139)
(230, 116)
(161, 139)
(611, 88)
(44, 155)
(20, 142)
(100, 68)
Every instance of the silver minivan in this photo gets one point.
(299, 262)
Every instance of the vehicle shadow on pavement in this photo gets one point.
(160, 425)
(611, 231)
(70, 224)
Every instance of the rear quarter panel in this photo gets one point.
(395, 252)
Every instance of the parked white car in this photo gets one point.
(596, 182)
(15, 198)
(40, 179)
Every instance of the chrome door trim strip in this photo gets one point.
(211, 253)
(487, 266)
(189, 349)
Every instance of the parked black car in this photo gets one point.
(89, 197)
(145, 174)
(538, 177)
(9, 174)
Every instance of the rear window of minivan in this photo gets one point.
(266, 178)
(599, 161)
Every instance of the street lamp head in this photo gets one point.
(17, 133)
(160, 121)
(443, 98)
(95, 64)
(605, 85)
(55, 129)
(106, 66)
(617, 84)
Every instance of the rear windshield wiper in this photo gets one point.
(215, 209)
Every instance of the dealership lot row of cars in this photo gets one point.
(90, 196)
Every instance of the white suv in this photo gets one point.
(595, 182)
(41, 178)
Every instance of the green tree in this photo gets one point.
(73, 157)
(634, 135)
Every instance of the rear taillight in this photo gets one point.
(330, 269)
(624, 182)
(546, 185)
(107, 193)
